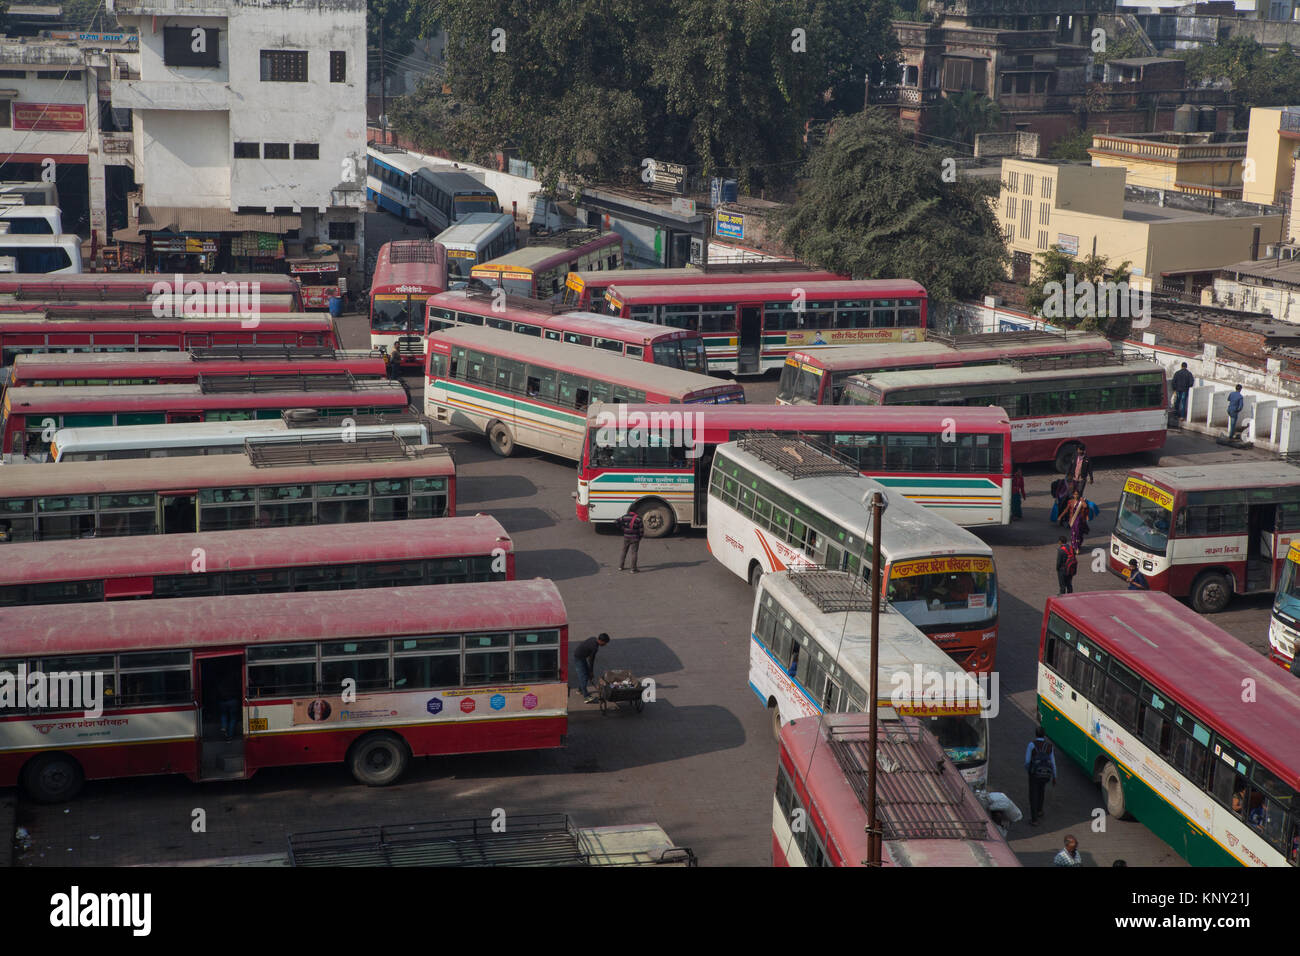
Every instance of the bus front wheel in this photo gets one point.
(755, 574)
(1065, 457)
(658, 519)
(776, 724)
(378, 760)
(1211, 593)
(501, 440)
(53, 778)
(1112, 789)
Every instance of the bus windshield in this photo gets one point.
(393, 314)
(948, 596)
(685, 354)
(963, 738)
(459, 263)
(1142, 522)
(464, 205)
(1288, 588)
(799, 383)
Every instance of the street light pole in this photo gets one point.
(873, 823)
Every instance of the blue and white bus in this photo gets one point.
(389, 175)
(31, 220)
(444, 196)
(40, 254)
(478, 237)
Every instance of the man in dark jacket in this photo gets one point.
(633, 529)
(1182, 383)
(585, 659)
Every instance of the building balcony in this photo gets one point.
(1168, 152)
(1291, 121)
(169, 95)
(164, 8)
(903, 95)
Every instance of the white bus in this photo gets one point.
(28, 220)
(30, 193)
(443, 196)
(220, 438)
(810, 653)
(478, 237)
(778, 503)
(40, 254)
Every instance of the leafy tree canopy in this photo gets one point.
(963, 115)
(1073, 147)
(876, 206)
(403, 22)
(1258, 78)
(1081, 302)
(1125, 45)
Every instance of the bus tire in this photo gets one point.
(53, 778)
(503, 443)
(1112, 791)
(1211, 593)
(755, 574)
(1065, 457)
(776, 723)
(658, 519)
(378, 759)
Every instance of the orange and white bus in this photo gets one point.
(406, 273)
(446, 669)
(259, 561)
(538, 271)
(818, 378)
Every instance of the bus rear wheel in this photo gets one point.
(658, 519)
(776, 724)
(1112, 791)
(502, 441)
(1065, 457)
(1211, 593)
(378, 760)
(53, 778)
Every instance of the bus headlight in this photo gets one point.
(1114, 548)
(1148, 566)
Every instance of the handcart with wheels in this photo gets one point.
(619, 687)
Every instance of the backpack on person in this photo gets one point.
(1040, 760)
(1071, 563)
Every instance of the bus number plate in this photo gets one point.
(257, 723)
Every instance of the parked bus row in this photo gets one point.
(435, 195)
(144, 287)
(586, 289)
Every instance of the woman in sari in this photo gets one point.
(1076, 518)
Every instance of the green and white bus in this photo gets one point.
(1151, 700)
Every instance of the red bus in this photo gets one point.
(158, 307)
(928, 814)
(539, 271)
(142, 287)
(679, 348)
(23, 334)
(817, 378)
(259, 561)
(31, 415)
(174, 368)
(750, 327)
(450, 669)
(407, 272)
(273, 484)
(954, 461)
(586, 290)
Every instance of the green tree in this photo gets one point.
(1072, 148)
(875, 205)
(1125, 45)
(1081, 302)
(965, 114)
(403, 22)
(1257, 77)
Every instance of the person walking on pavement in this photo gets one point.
(1070, 855)
(1067, 565)
(1137, 581)
(1080, 470)
(1017, 494)
(1076, 519)
(1182, 384)
(1040, 764)
(1235, 402)
(585, 659)
(633, 529)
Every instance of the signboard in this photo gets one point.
(1069, 244)
(129, 38)
(181, 244)
(684, 206)
(50, 117)
(729, 225)
(668, 177)
(850, 336)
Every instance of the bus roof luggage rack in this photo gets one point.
(485, 293)
(795, 457)
(834, 592)
(1080, 360)
(277, 451)
(311, 418)
(251, 352)
(285, 382)
(917, 800)
(970, 340)
(568, 238)
(413, 250)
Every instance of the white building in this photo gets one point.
(248, 119)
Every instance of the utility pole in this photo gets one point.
(873, 823)
(383, 85)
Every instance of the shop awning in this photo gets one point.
(183, 219)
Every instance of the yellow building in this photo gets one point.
(1271, 144)
(1172, 247)
(1204, 164)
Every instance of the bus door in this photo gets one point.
(749, 343)
(219, 714)
(178, 512)
(703, 469)
(1261, 540)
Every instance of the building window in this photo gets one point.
(338, 66)
(306, 150)
(1009, 234)
(343, 230)
(60, 77)
(1042, 239)
(1043, 213)
(1025, 212)
(1013, 181)
(1029, 184)
(1047, 188)
(246, 151)
(275, 150)
(191, 46)
(13, 74)
(284, 66)
(5, 117)
(1011, 208)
